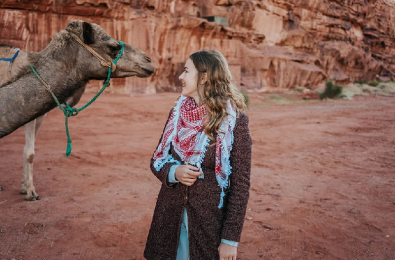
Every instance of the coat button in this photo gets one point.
(186, 198)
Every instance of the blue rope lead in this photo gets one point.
(12, 59)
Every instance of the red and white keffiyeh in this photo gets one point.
(184, 130)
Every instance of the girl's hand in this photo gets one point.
(187, 174)
(227, 252)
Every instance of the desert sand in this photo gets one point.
(322, 183)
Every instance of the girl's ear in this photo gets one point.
(204, 79)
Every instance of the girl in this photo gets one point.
(203, 160)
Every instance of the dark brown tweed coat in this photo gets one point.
(207, 224)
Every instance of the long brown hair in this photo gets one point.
(217, 89)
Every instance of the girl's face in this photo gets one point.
(189, 81)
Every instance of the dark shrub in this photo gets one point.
(331, 90)
(358, 81)
(373, 83)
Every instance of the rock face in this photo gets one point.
(269, 44)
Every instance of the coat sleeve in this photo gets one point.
(163, 173)
(239, 181)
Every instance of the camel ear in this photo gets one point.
(87, 32)
(74, 26)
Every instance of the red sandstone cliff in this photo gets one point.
(269, 43)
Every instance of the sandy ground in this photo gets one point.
(323, 181)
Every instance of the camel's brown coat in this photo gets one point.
(67, 67)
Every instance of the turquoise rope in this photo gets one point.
(71, 111)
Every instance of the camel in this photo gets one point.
(67, 66)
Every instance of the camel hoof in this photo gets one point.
(32, 198)
(23, 191)
(1, 188)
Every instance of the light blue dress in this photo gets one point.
(183, 245)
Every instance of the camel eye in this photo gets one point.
(115, 49)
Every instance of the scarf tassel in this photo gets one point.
(206, 143)
(226, 159)
(221, 200)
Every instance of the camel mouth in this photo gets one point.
(138, 71)
(147, 71)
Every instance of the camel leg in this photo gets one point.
(28, 129)
(31, 131)
(39, 122)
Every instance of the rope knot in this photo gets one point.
(70, 111)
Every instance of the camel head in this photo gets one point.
(133, 61)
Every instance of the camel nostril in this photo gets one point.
(147, 58)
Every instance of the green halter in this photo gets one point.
(71, 111)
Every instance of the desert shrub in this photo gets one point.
(355, 89)
(373, 83)
(388, 87)
(275, 97)
(300, 89)
(349, 91)
(246, 99)
(358, 81)
(331, 90)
